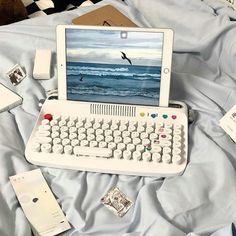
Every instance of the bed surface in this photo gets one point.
(202, 201)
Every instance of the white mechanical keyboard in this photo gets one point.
(134, 140)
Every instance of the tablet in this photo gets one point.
(114, 64)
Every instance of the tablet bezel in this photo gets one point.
(166, 58)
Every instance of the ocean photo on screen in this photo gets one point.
(113, 66)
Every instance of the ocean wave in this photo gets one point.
(96, 68)
(111, 92)
(112, 74)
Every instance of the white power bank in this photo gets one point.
(42, 64)
(8, 99)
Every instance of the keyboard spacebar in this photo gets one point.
(93, 151)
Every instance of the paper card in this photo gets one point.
(228, 123)
(231, 3)
(38, 203)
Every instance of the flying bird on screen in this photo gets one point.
(81, 77)
(124, 57)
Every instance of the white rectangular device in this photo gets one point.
(112, 115)
(42, 64)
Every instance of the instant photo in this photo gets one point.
(16, 75)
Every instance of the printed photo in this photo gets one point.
(114, 66)
(16, 75)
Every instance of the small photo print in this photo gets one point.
(16, 75)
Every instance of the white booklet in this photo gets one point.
(39, 204)
(8, 99)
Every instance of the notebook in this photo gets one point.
(8, 99)
(105, 16)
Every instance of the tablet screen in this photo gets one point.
(113, 66)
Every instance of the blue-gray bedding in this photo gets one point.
(201, 202)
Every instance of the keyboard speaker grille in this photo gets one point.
(113, 110)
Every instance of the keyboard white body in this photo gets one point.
(92, 159)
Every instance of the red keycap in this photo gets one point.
(174, 117)
(48, 117)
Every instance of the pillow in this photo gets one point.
(39, 7)
(45, 7)
(11, 11)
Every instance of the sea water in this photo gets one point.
(113, 83)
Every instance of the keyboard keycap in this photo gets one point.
(84, 143)
(127, 154)
(62, 123)
(166, 158)
(100, 138)
(97, 125)
(131, 147)
(156, 157)
(45, 122)
(127, 140)
(118, 139)
(123, 128)
(118, 154)
(43, 133)
(45, 127)
(71, 123)
(136, 141)
(65, 141)
(146, 142)
(137, 155)
(102, 144)
(56, 141)
(68, 149)
(43, 140)
(109, 138)
(74, 142)
(176, 151)
(140, 148)
(64, 135)
(116, 133)
(46, 147)
(55, 128)
(55, 134)
(140, 129)
(90, 131)
(93, 144)
(91, 137)
(146, 156)
(102, 152)
(121, 146)
(36, 147)
(134, 135)
(73, 136)
(112, 146)
(177, 159)
(58, 148)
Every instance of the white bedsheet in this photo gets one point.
(202, 201)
